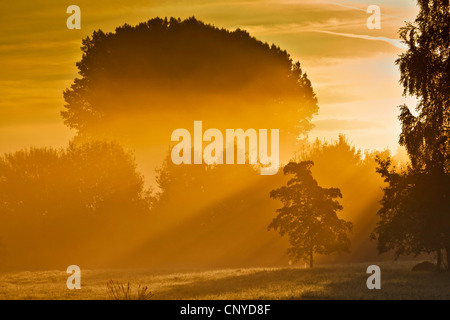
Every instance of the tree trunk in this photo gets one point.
(311, 260)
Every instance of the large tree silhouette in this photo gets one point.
(139, 83)
(415, 216)
(309, 215)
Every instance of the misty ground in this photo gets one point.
(322, 282)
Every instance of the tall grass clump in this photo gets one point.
(119, 291)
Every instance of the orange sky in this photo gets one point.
(350, 66)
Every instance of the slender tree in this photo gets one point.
(309, 215)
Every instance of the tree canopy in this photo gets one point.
(165, 73)
(88, 179)
(425, 74)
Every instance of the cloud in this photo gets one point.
(395, 42)
(360, 9)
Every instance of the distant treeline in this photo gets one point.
(87, 205)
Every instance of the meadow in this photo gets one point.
(322, 282)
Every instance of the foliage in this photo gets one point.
(412, 217)
(309, 215)
(425, 73)
(89, 179)
(80, 201)
(186, 67)
(415, 214)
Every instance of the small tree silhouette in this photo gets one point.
(309, 216)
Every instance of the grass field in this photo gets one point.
(323, 282)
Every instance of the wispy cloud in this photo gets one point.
(395, 42)
(360, 9)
